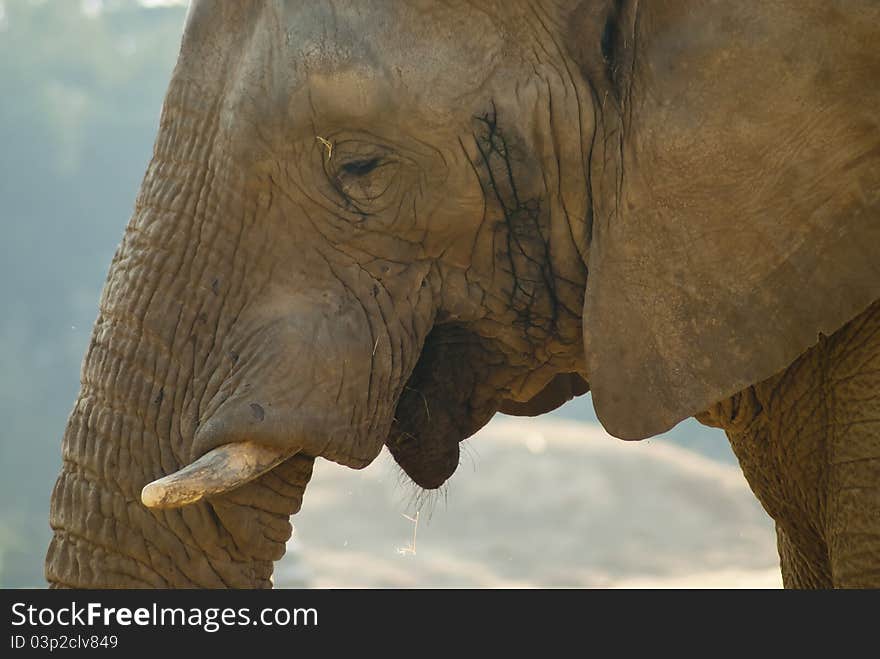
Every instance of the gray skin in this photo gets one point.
(671, 200)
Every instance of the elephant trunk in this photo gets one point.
(209, 337)
(123, 431)
(154, 364)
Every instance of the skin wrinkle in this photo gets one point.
(220, 314)
(177, 277)
(511, 235)
(200, 183)
(483, 224)
(492, 185)
(373, 332)
(78, 475)
(75, 540)
(239, 549)
(206, 391)
(108, 404)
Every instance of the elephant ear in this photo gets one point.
(737, 198)
(558, 391)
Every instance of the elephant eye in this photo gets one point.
(363, 181)
(360, 167)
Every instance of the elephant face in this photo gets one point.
(371, 224)
(386, 186)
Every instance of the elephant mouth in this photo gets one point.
(441, 404)
(444, 401)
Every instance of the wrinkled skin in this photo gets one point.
(378, 223)
(825, 404)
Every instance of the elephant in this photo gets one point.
(371, 224)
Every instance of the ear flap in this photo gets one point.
(558, 391)
(742, 216)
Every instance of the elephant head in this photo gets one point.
(379, 223)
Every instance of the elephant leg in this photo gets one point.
(853, 454)
(808, 441)
(854, 523)
(799, 568)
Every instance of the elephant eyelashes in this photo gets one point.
(363, 181)
(360, 167)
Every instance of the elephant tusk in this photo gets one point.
(219, 470)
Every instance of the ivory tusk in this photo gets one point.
(219, 470)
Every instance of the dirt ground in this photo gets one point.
(536, 502)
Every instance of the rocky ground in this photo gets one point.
(537, 502)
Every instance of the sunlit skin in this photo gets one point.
(373, 224)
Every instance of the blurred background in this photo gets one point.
(550, 502)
